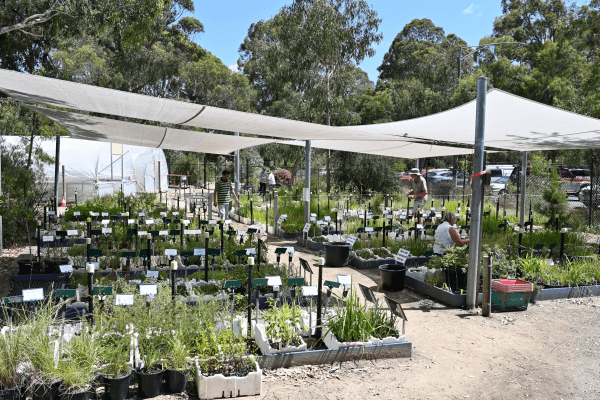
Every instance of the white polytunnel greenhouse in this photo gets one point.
(88, 167)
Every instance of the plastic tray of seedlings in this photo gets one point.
(512, 286)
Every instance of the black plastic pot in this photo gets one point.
(27, 267)
(149, 384)
(45, 391)
(176, 380)
(117, 388)
(9, 394)
(52, 266)
(336, 253)
(86, 394)
(392, 277)
(533, 296)
(456, 278)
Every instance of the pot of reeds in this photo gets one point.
(11, 381)
(115, 355)
(177, 374)
(77, 368)
(150, 375)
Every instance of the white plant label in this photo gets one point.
(313, 219)
(389, 216)
(327, 218)
(163, 233)
(200, 252)
(130, 221)
(402, 256)
(123, 214)
(149, 289)
(369, 229)
(142, 233)
(192, 231)
(351, 240)
(274, 281)
(227, 222)
(309, 291)
(76, 213)
(149, 221)
(72, 232)
(250, 251)
(33, 294)
(432, 208)
(175, 213)
(105, 222)
(65, 268)
(319, 222)
(124, 299)
(313, 215)
(241, 233)
(47, 238)
(457, 209)
(104, 214)
(306, 228)
(142, 214)
(163, 214)
(212, 222)
(95, 214)
(345, 280)
(419, 226)
(290, 250)
(170, 252)
(186, 222)
(152, 274)
(51, 213)
(106, 230)
(443, 208)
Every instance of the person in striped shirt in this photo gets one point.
(221, 197)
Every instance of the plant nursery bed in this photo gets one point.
(310, 244)
(453, 300)
(361, 263)
(329, 356)
(568, 292)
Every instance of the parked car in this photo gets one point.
(580, 174)
(499, 185)
(584, 196)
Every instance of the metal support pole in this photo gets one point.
(206, 260)
(1, 237)
(90, 274)
(56, 172)
(236, 169)
(523, 189)
(205, 162)
(486, 301)
(476, 203)
(250, 300)
(318, 331)
(64, 194)
(275, 210)
(247, 173)
(307, 183)
(591, 191)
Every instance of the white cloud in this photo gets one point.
(470, 9)
(234, 68)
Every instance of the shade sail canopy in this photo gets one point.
(388, 149)
(59, 93)
(511, 123)
(109, 130)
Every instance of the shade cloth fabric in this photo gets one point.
(109, 130)
(59, 93)
(511, 123)
(388, 149)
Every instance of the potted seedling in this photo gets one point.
(150, 375)
(115, 355)
(11, 355)
(280, 333)
(55, 258)
(77, 368)
(178, 364)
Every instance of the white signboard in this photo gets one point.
(64, 269)
(104, 214)
(76, 213)
(105, 222)
(130, 221)
(163, 233)
(369, 229)
(72, 232)
(312, 219)
(402, 256)
(149, 221)
(192, 231)
(313, 215)
(186, 222)
(389, 216)
(309, 291)
(212, 222)
(47, 238)
(274, 281)
(175, 213)
(142, 233)
(327, 218)
(319, 222)
(170, 252)
(350, 240)
(149, 289)
(241, 233)
(33, 294)
(152, 274)
(200, 251)
(250, 251)
(123, 299)
(306, 228)
(95, 214)
(345, 280)
(141, 214)
(290, 250)
(106, 230)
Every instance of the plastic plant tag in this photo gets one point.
(295, 281)
(251, 250)
(200, 251)
(389, 216)
(351, 240)
(72, 232)
(152, 274)
(163, 233)
(457, 209)
(76, 213)
(227, 222)
(438, 215)
(51, 213)
(130, 221)
(432, 208)
(192, 231)
(170, 252)
(94, 214)
(186, 222)
(212, 222)
(259, 282)
(306, 227)
(327, 218)
(142, 233)
(123, 300)
(319, 222)
(148, 289)
(138, 281)
(64, 269)
(104, 214)
(419, 226)
(290, 250)
(175, 213)
(310, 291)
(233, 284)
(105, 222)
(33, 294)
(47, 238)
(149, 221)
(274, 281)
(332, 284)
(312, 219)
(142, 214)
(369, 229)
(106, 230)
(241, 233)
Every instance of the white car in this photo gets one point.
(499, 185)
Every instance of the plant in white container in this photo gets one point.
(280, 334)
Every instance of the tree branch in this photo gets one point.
(30, 21)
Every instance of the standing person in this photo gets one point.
(221, 196)
(418, 192)
(262, 180)
(271, 181)
(446, 235)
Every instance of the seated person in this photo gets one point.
(446, 235)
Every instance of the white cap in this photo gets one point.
(250, 260)
(91, 268)
(173, 265)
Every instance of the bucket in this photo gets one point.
(336, 253)
(392, 277)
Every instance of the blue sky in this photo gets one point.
(226, 22)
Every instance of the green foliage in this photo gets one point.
(453, 259)
(283, 323)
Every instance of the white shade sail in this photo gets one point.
(109, 130)
(511, 123)
(59, 93)
(388, 149)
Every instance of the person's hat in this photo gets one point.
(415, 171)
(263, 168)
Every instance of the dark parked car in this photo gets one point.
(584, 196)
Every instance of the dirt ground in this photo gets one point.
(550, 351)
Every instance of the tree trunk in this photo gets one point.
(328, 117)
(33, 130)
(295, 170)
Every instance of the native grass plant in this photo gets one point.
(178, 354)
(357, 323)
(114, 354)
(77, 367)
(283, 324)
(12, 346)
